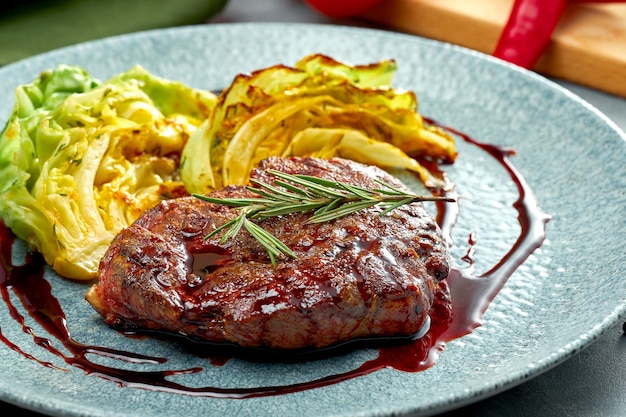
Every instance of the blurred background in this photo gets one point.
(581, 41)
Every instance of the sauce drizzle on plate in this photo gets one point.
(460, 304)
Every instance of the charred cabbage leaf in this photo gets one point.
(320, 107)
(80, 159)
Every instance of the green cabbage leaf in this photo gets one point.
(80, 159)
(336, 106)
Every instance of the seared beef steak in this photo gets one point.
(363, 275)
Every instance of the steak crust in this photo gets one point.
(363, 275)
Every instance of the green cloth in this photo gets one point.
(34, 26)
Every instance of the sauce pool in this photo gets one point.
(460, 303)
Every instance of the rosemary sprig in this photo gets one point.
(328, 200)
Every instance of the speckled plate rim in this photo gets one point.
(100, 58)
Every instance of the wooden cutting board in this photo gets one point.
(588, 46)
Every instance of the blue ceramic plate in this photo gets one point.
(561, 299)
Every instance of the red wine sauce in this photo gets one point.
(458, 309)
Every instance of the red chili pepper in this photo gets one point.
(528, 31)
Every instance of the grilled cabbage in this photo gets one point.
(329, 108)
(80, 159)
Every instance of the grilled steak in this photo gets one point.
(363, 275)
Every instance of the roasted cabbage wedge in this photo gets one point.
(318, 107)
(80, 159)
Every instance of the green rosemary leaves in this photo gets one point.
(327, 200)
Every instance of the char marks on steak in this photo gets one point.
(363, 275)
